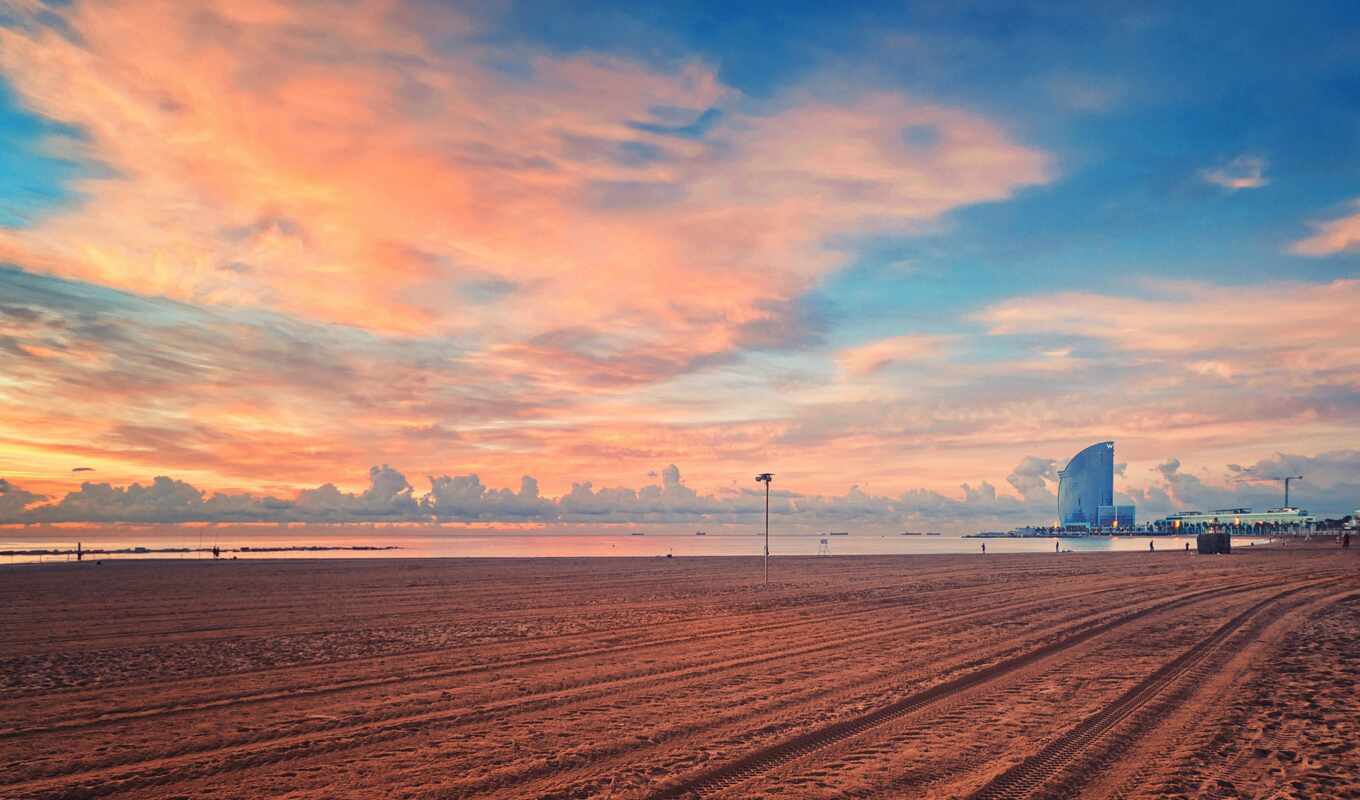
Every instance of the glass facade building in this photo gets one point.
(1085, 485)
(1115, 517)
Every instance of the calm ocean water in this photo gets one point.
(450, 542)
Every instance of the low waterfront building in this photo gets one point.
(1236, 519)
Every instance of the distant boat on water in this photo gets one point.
(839, 533)
(637, 533)
(911, 533)
(701, 533)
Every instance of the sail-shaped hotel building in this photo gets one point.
(1086, 491)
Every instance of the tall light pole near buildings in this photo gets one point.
(1286, 486)
(765, 478)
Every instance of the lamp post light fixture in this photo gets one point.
(765, 478)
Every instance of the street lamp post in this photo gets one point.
(765, 478)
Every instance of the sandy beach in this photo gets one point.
(1115, 675)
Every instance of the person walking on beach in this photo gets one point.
(1151, 549)
(1055, 546)
(984, 548)
(1346, 540)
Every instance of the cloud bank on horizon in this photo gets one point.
(391, 498)
(253, 244)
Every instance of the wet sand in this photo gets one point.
(1115, 675)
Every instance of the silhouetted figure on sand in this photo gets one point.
(1151, 548)
(1346, 541)
(1055, 546)
(984, 548)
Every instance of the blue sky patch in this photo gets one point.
(33, 181)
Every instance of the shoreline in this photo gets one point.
(140, 551)
(1242, 550)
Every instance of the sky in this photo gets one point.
(571, 262)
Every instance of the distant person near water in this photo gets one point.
(984, 548)
(1055, 546)
(1346, 540)
(1151, 548)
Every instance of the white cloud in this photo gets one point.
(389, 496)
(164, 500)
(1243, 172)
(1032, 476)
(465, 498)
(1330, 486)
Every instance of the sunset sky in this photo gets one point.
(908, 257)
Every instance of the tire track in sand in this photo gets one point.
(732, 773)
(557, 698)
(294, 692)
(1033, 776)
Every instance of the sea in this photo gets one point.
(450, 542)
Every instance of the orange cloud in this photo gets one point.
(513, 247)
(867, 359)
(1331, 237)
(1191, 316)
(359, 174)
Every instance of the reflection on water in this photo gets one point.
(444, 543)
